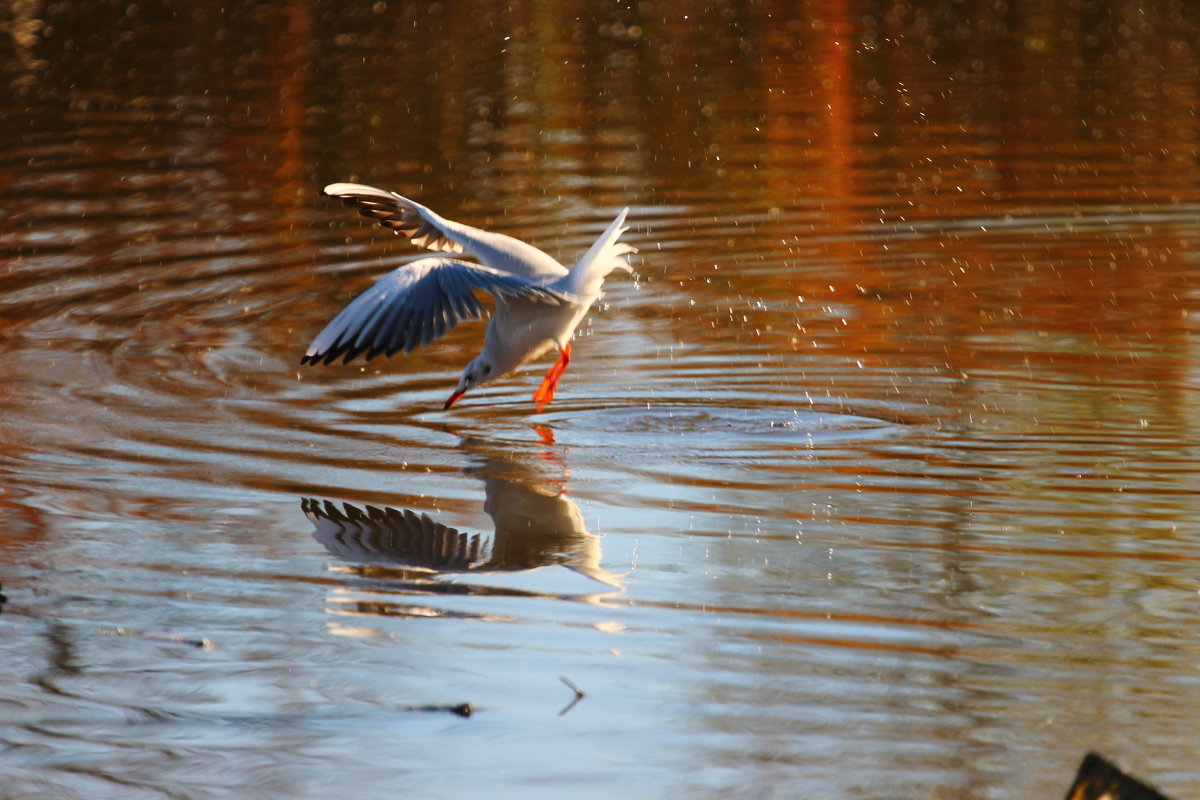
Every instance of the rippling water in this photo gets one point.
(878, 480)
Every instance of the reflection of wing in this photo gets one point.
(536, 525)
(392, 536)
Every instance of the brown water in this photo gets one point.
(879, 481)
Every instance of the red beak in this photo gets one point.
(454, 398)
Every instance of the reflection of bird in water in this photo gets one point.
(536, 525)
(539, 302)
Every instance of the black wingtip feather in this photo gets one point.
(414, 306)
(313, 359)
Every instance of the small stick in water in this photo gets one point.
(462, 709)
(579, 695)
(203, 643)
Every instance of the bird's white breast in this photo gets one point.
(522, 330)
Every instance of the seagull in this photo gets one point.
(539, 302)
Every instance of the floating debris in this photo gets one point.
(1099, 779)
(579, 695)
(203, 643)
(462, 709)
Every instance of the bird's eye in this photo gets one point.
(487, 370)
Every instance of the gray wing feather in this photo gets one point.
(415, 305)
(424, 228)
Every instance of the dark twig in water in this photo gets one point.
(462, 709)
(203, 643)
(579, 695)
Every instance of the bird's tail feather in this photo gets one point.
(588, 274)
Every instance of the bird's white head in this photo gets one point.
(478, 372)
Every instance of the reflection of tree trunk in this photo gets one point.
(838, 144)
(23, 23)
(60, 661)
(289, 66)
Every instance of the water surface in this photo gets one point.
(878, 480)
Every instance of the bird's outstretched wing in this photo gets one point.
(414, 305)
(426, 229)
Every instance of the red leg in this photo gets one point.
(545, 392)
(546, 435)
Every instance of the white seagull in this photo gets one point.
(539, 302)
